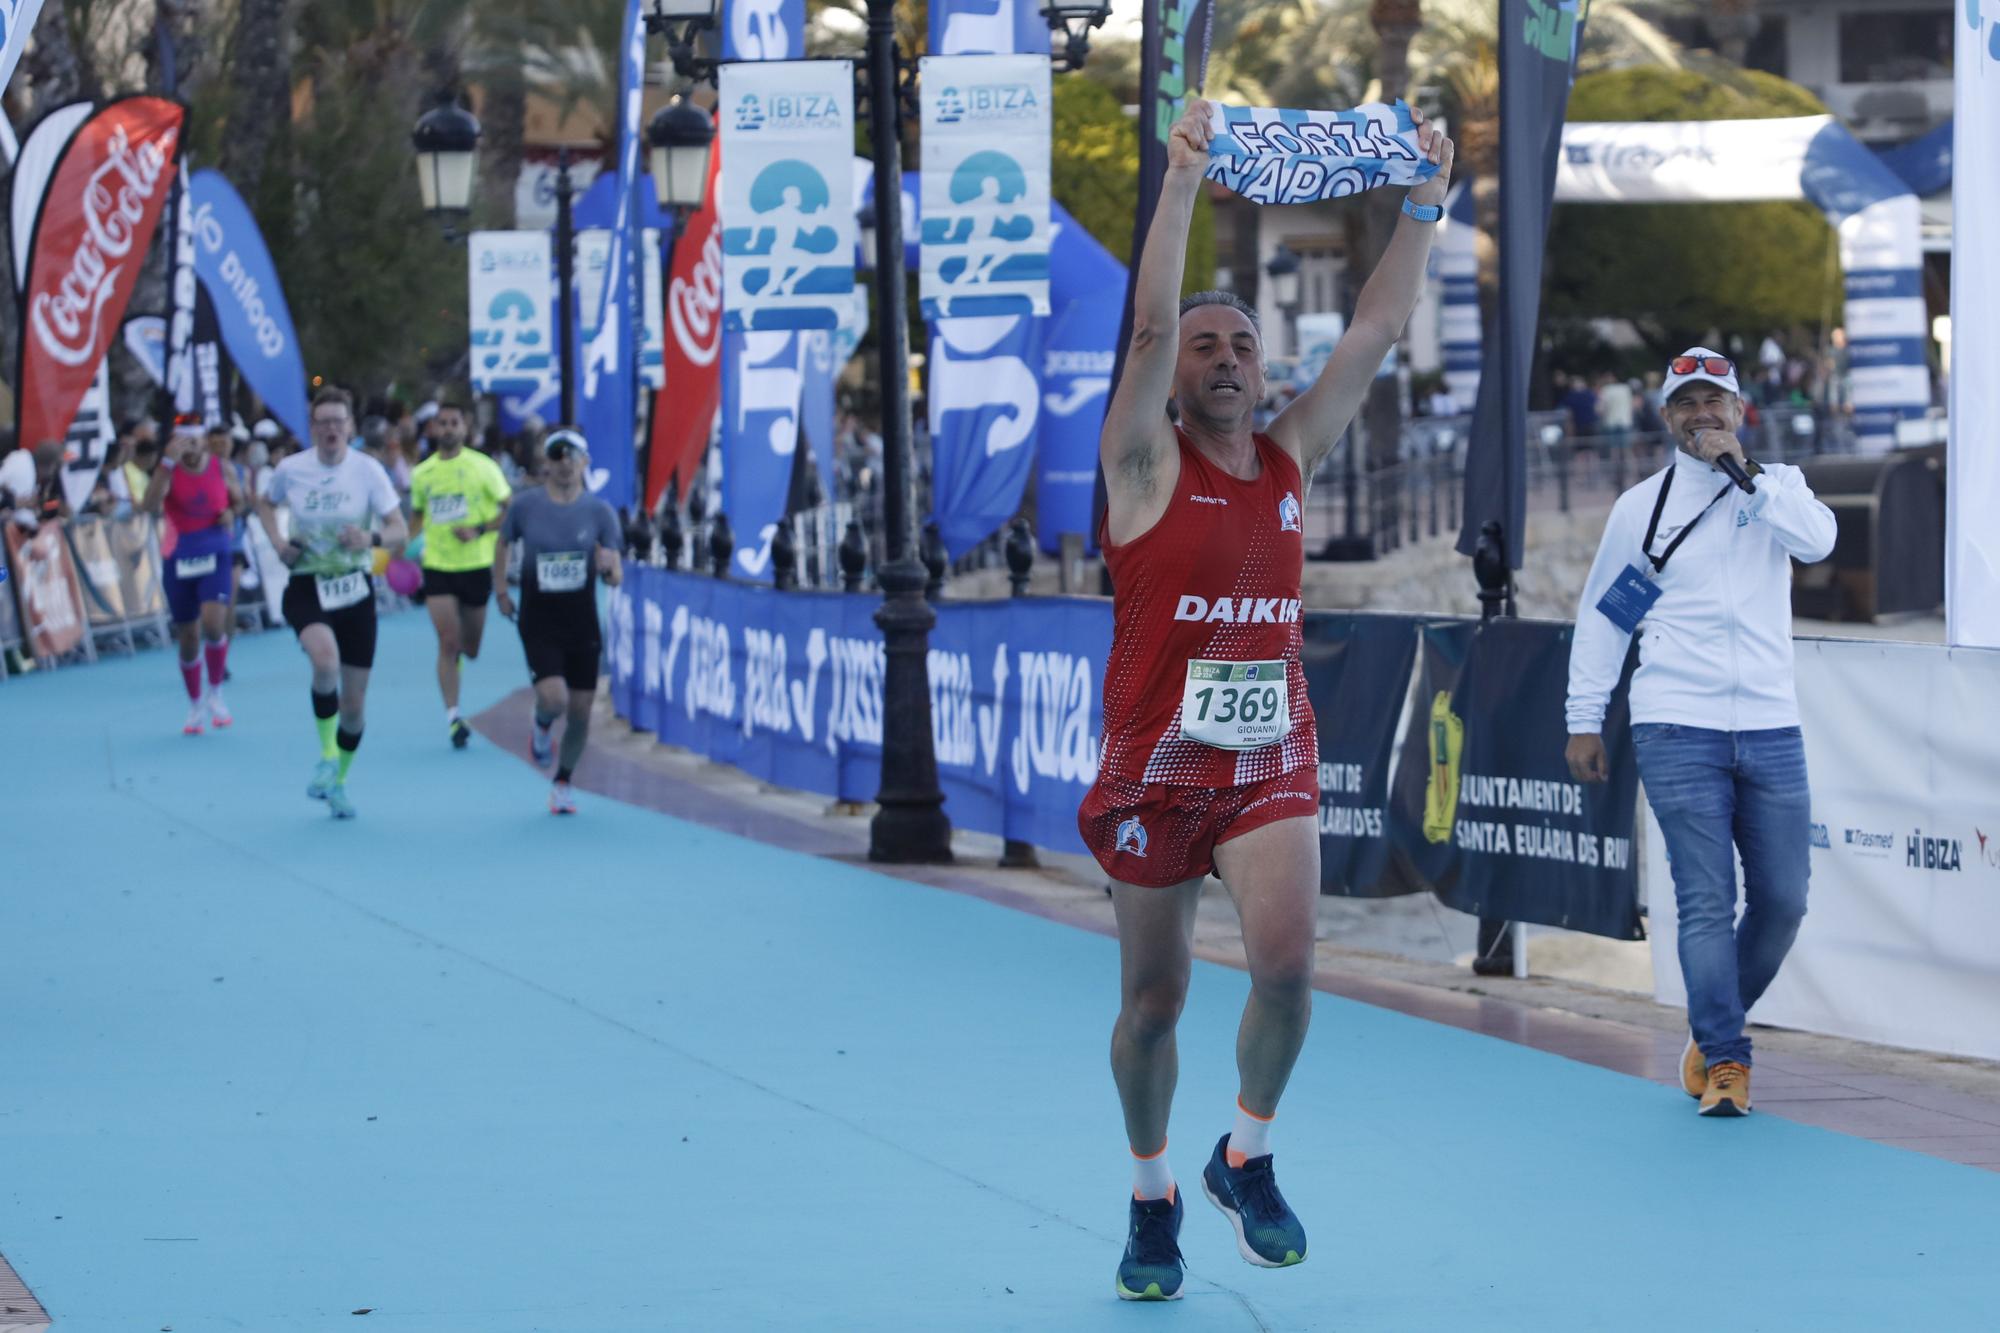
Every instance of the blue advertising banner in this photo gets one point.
(788, 688)
(232, 263)
(763, 29)
(1079, 346)
(988, 27)
(761, 381)
(984, 400)
(608, 399)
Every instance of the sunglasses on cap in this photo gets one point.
(1700, 365)
(562, 444)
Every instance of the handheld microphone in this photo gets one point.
(1734, 471)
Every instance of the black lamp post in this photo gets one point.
(680, 137)
(1073, 19)
(447, 142)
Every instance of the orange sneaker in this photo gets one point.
(1728, 1089)
(1694, 1069)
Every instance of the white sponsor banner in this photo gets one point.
(788, 222)
(1901, 941)
(512, 325)
(1972, 547)
(1605, 162)
(535, 190)
(32, 170)
(17, 20)
(985, 182)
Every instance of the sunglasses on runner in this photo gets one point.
(1701, 365)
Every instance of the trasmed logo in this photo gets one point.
(1867, 842)
(1922, 853)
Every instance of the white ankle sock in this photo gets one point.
(1152, 1178)
(451, 715)
(1250, 1138)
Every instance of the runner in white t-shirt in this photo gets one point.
(333, 496)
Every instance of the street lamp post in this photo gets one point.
(447, 142)
(565, 278)
(910, 823)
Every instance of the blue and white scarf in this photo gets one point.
(1272, 156)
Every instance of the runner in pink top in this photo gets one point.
(197, 492)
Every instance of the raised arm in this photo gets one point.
(1308, 427)
(1137, 447)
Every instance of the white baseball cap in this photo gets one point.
(1699, 364)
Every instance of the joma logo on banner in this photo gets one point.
(270, 339)
(114, 202)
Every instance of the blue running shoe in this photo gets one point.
(325, 778)
(1268, 1233)
(1152, 1269)
(336, 801)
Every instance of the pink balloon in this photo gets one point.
(405, 577)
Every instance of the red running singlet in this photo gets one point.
(1216, 578)
(196, 501)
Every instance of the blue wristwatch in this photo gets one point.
(1423, 212)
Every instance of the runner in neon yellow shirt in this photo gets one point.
(457, 496)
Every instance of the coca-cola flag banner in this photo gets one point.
(763, 29)
(684, 412)
(17, 20)
(95, 222)
(788, 197)
(32, 170)
(513, 346)
(986, 122)
(250, 311)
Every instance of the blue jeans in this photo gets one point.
(1710, 789)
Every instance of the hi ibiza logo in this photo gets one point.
(114, 203)
(951, 107)
(1989, 848)
(1288, 513)
(1131, 839)
(1926, 853)
(749, 113)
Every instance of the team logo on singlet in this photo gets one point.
(1131, 838)
(1288, 513)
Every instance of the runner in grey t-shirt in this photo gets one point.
(568, 540)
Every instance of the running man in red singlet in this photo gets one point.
(196, 489)
(1211, 757)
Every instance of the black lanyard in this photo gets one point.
(1659, 507)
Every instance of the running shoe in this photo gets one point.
(218, 711)
(460, 733)
(562, 801)
(336, 801)
(1152, 1268)
(325, 778)
(197, 719)
(1694, 1069)
(1728, 1090)
(1268, 1233)
(541, 744)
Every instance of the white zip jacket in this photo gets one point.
(1715, 650)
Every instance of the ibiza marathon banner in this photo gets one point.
(513, 353)
(788, 230)
(988, 27)
(985, 203)
(788, 687)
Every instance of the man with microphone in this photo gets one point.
(1696, 560)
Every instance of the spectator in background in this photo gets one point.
(1614, 420)
(31, 484)
(1581, 403)
(1442, 403)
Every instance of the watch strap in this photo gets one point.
(1423, 212)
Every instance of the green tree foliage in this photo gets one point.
(1094, 173)
(1680, 270)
